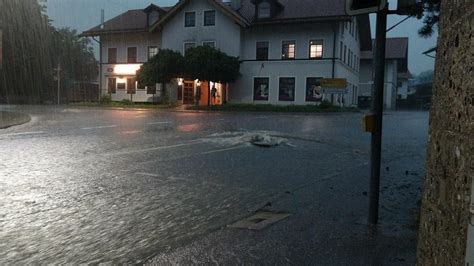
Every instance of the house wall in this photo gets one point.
(300, 68)
(390, 86)
(226, 33)
(122, 41)
(402, 91)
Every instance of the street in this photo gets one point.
(85, 185)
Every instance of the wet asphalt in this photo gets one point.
(85, 185)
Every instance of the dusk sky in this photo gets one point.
(85, 14)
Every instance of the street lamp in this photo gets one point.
(198, 91)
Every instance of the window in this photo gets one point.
(340, 50)
(350, 27)
(131, 86)
(314, 91)
(344, 58)
(121, 86)
(316, 49)
(349, 59)
(152, 51)
(287, 89)
(132, 54)
(188, 45)
(190, 19)
(210, 18)
(288, 50)
(354, 63)
(112, 55)
(210, 44)
(153, 17)
(112, 85)
(261, 89)
(264, 10)
(262, 51)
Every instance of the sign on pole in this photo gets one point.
(359, 7)
(334, 86)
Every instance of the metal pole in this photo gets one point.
(377, 110)
(59, 79)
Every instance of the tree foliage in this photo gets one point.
(162, 68)
(32, 48)
(431, 17)
(207, 63)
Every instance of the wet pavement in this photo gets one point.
(85, 185)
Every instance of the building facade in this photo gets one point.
(285, 48)
(396, 72)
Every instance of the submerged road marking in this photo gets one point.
(157, 123)
(98, 127)
(193, 142)
(22, 133)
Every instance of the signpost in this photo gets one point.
(357, 7)
(1, 48)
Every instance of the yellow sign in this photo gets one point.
(334, 83)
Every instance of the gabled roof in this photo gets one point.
(134, 20)
(297, 10)
(396, 48)
(227, 10)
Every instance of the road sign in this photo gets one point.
(359, 7)
(334, 83)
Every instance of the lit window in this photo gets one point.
(264, 10)
(316, 49)
(152, 51)
(190, 19)
(262, 51)
(287, 89)
(288, 50)
(210, 44)
(261, 89)
(209, 18)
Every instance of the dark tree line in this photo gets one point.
(32, 48)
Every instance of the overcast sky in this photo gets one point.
(85, 14)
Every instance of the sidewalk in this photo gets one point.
(9, 119)
(327, 226)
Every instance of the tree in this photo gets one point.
(208, 64)
(27, 74)
(75, 55)
(162, 68)
(431, 17)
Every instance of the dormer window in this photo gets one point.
(264, 10)
(153, 17)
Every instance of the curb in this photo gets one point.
(10, 119)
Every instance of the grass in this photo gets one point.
(275, 108)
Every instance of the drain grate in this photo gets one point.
(260, 220)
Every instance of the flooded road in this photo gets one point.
(92, 185)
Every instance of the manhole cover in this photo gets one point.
(260, 220)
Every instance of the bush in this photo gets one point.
(326, 105)
(105, 99)
(126, 102)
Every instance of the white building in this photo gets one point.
(396, 72)
(285, 48)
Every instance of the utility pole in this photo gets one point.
(377, 111)
(59, 79)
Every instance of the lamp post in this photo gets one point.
(180, 88)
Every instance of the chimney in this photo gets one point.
(234, 4)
